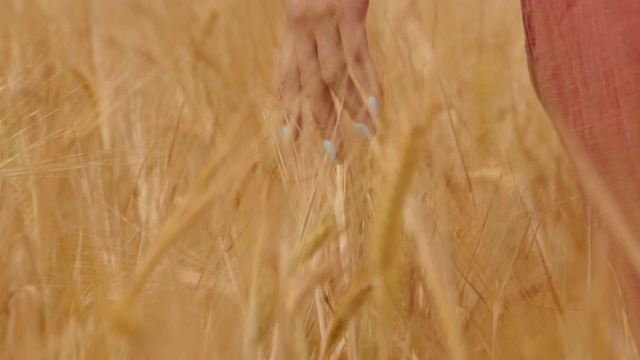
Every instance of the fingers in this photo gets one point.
(353, 35)
(318, 93)
(326, 53)
(336, 74)
(290, 90)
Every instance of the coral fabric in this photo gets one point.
(584, 58)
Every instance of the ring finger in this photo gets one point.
(335, 73)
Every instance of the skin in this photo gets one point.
(325, 53)
(584, 62)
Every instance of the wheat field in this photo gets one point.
(148, 209)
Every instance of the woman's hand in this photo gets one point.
(326, 52)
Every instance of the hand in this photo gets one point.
(326, 52)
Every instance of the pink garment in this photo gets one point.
(584, 59)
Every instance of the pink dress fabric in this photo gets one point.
(584, 59)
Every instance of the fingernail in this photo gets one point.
(374, 106)
(364, 132)
(330, 151)
(285, 133)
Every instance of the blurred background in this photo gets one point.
(148, 210)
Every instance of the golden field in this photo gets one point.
(148, 209)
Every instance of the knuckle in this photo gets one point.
(311, 80)
(288, 79)
(295, 14)
(309, 12)
(355, 57)
(334, 72)
(284, 87)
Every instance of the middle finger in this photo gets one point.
(318, 93)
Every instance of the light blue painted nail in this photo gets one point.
(374, 106)
(285, 133)
(364, 132)
(330, 151)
